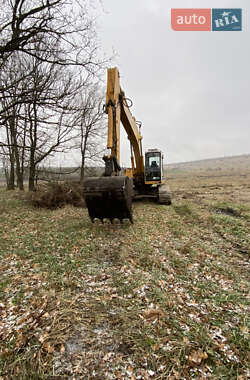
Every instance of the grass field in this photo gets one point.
(165, 298)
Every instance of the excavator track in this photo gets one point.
(109, 198)
(164, 195)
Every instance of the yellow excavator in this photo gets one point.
(110, 196)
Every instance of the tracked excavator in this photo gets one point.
(110, 196)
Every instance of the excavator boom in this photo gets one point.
(110, 197)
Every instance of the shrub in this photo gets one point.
(55, 194)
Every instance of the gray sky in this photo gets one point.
(189, 89)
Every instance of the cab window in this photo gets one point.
(153, 160)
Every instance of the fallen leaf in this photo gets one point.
(196, 357)
(155, 347)
(48, 347)
(62, 349)
(43, 337)
(152, 314)
(21, 340)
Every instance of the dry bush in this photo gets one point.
(54, 195)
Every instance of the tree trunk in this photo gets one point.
(23, 152)
(32, 171)
(32, 178)
(83, 152)
(82, 170)
(15, 151)
(18, 171)
(11, 176)
(19, 176)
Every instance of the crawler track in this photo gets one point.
(164, 195)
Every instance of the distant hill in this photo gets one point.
(233, 163)
(241, 162)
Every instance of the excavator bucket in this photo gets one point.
(109, 197)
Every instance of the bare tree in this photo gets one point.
(58, 32)
(67, 26)
(8, 162)
(11, 120)
(49, 113)
(90, 123)
(43, 123)
(15, 137)
(48, 55)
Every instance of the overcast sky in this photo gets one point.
(189, 89)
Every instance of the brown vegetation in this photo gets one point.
(55, 195)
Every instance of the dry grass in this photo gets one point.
(165, 298)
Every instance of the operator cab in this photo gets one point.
(153, 166)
